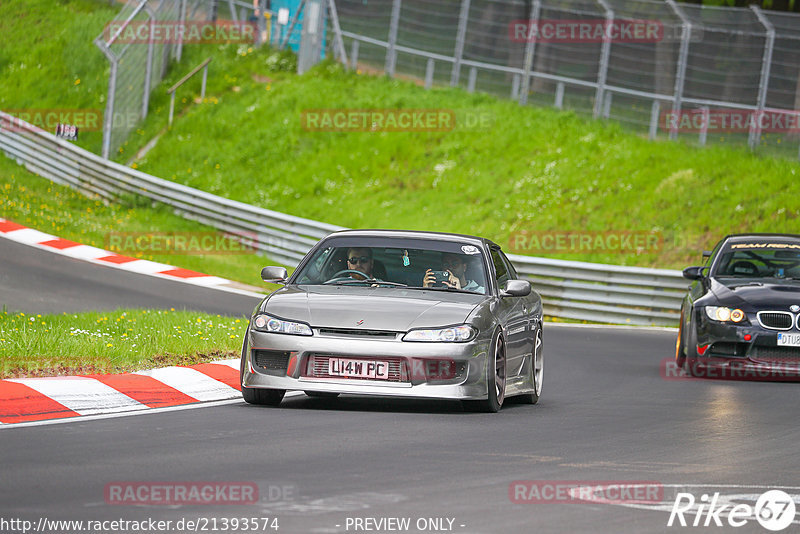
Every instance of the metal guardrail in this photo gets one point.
(570, 289)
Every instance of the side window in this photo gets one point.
(512, 273)
(500, 269)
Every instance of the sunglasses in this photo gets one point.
(359, 259)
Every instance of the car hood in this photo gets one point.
(756, 294)
(370, 308)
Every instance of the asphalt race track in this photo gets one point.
(606, 415)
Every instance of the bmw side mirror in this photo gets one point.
(516, 288)
(693, 273)
(274, 275)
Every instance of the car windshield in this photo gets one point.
(396, 262)
(760, 259)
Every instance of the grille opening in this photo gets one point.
(271, 362)
(318, 366)
(354, 332)
(728, 348)
(776, 320)
(776, 354)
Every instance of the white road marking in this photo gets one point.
(80, 394)
(192, 383)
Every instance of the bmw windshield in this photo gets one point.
(767, 258)
(396, 262)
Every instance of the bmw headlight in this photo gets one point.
(452, 334)
(273, 325)
(725, 315)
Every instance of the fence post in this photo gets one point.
(148, 67)
(763, 83)
(701, 138)
(182, 26)
(605, 53)
(337, 33)
(559, 103)
(391, 54)
(655, 111)
(463, 19)
(354, 54)
(680, 76)
(530, 51)
(108, 117)
(473, 77)
(429, 73)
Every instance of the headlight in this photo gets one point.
(721, 313)
(266, 323)
(452, 334)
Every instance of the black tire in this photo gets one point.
(537, 360)
(321, 394)
(263, 397)
(690, 365)
(495, 379)
(680, 345)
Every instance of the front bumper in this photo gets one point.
(423, 370)
(744, 351)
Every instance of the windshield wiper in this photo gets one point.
(369, 281)
(445, 288)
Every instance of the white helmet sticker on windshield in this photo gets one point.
(470, 249)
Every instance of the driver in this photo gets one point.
(456, 265)
(360, 259)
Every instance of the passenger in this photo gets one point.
(456, 265)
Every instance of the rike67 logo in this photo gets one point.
(774, 510)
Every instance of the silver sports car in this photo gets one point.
(395, 313)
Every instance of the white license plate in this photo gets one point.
(789, 340)
(358, 368)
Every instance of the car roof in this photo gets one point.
(414, 234)
(743, 238)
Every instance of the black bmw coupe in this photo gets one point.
(741, 316)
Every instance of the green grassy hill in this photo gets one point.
(535, 171)
(530, 171)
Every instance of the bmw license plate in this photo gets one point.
(788, 340)
(358, 368)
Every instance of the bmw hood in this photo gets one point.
(758, 295)
(370, 308)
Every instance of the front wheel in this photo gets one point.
(495, 378)
(264, 397)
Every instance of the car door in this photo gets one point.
(512, 313)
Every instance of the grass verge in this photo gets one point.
(113, 342)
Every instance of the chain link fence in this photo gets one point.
(672, 70)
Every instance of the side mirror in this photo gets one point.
(694, 273)
(516, 288)
(275, 275)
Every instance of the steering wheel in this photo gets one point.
(343, 272)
